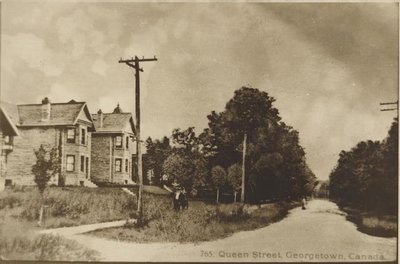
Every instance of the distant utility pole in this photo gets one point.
(393, 108)
(134, 63)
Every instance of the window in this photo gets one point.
(71, 135)
(70, 162)
(8, 182)
(83, 136)
(118, 165)
(126, 165)
(127, 142)
(82, 163)
(87, 167)
(118, 141)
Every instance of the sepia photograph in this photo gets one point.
(199, 131)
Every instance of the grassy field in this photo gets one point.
(19, 208)
(201, 222)
(70, 206)
(19, 241)
(373, 224)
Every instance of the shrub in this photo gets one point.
(9, 201)
(231, 212)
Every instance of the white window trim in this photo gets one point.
(74, 163)
(115, 164)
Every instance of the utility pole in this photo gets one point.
(134, 63)
(244, 168)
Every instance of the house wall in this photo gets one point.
(104, 154)
(77, 150)
(21, 159)
(124, 154)
(101, 158)
(2, 159)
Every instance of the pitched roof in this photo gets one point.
(9, 117)
(11, 111)
(60, 113)
(114, 122)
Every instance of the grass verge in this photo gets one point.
(372, 224)
(70, 206)
(201, 222)
(19, 241)
(67, 206)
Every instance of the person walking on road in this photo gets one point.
(303, 203)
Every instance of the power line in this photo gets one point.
(391, 103)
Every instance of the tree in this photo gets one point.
(234, 178)
(157, 152)
(366, 176)
(249, 131)
(186, 139)
(188, 170)
(248, 110)
(47, 165)
(219, 178)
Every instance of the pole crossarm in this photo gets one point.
(389, 109)
(136, 59)
(390, 103)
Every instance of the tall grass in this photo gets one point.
(44, 247)
(373, 223)
(19, 241)
(201, 222)
(69, 206)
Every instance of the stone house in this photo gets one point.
(113, 145)
(7, 133)
(65, 126)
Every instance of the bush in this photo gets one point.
(231, 212)
(9, 201)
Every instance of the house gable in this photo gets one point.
(84, 115)
(7, 125)
(130, 127)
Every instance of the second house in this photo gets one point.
(113, 145)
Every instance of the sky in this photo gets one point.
(328, 65)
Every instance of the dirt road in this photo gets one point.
(320, 233)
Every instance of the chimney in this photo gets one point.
(45, 109)
(100, 113)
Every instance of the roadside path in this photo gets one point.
(74, 230)
(320, 233)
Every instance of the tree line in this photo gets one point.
(366, 176)
(249, 129)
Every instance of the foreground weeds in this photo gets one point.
(70, 206)
(201, 222)
(19, 212)
(19, 241)
(372, 223)
(44, 247)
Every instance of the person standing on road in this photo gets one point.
(303, 203)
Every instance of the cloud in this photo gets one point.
(328, 65)
(78, 28)
(60, 94)
(30, 50)
(100, 67)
